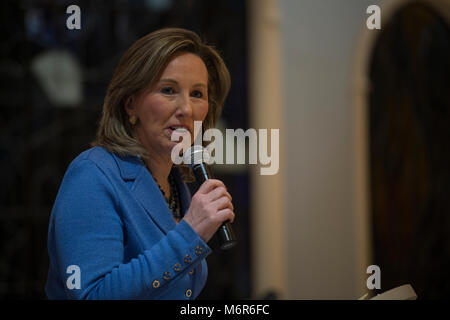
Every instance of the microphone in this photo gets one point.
(195, 157)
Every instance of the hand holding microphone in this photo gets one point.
(211, 209)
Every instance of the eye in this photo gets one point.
(197, 94)
(167, 90)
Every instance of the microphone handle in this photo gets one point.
(227, 238)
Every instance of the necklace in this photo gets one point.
(173, 201)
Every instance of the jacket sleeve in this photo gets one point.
(86, 231)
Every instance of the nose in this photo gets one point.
(184, 106)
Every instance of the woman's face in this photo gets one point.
(179, 98)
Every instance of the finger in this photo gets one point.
(226, 215)
(209, 185)
(218, 193)
(222, 203)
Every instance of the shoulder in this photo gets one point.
(88, 165)
(90, 172)
(96, 160)
(96, 155)
(85, 186)
(98, 165)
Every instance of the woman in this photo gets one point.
(123, 225)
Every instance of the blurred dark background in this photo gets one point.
(43, 130)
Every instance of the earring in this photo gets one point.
(133, 120)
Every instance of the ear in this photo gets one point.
(130, 105)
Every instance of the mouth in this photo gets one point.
(179, 130)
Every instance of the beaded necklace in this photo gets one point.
(174, 200)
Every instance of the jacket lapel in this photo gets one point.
(146, 191)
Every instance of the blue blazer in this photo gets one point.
(112, 236)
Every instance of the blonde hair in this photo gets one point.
(139, 69)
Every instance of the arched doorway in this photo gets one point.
(408, 101)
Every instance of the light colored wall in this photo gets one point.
(323, 222)
(309, 236)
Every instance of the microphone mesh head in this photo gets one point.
(195, 155)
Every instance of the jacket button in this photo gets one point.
(198, 250)
(188, 293)
(155, 284)
(187, 259)
(177, 267)
(166, 275)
